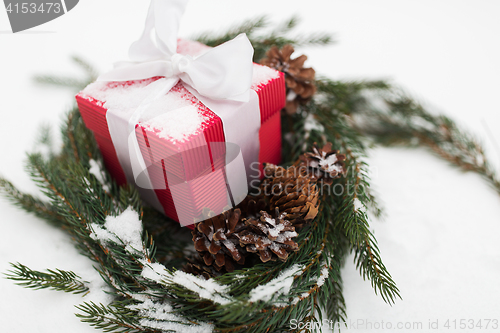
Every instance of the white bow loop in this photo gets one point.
(223, 72)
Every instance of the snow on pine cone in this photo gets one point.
(271, 238)
(291, 192)
(216, 241)
(323, 163)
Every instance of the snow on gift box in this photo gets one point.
(182, 141)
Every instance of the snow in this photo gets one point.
(275, 231)
(262, 75)
(185, 327)
(274, 247)
(428, 210)
(126, 227)
(153, 271)
(419, 122)
(160, 316)
(100, 234)
(171, 116)
(230, 245)
(96, 170)
(358, 204)
(271, 221)
(323, 276)
(99, 291)
(208, 289)
(177, 125)
(312, 124)
(286, 235)
(278, 286)
(121, 96)
(320, 282)
(329, 163)
(44, 150)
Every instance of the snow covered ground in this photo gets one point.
(439, 238)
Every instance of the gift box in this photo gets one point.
(180, 138)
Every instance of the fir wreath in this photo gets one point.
(141, 263)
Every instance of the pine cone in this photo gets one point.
(271, 238)
(197, 266)
(216, 241)
(292, 193)
(299, 80)
(251, 206)
(324, 163)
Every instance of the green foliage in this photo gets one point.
(262, 37)
(352, 115)
(347, 199)
(395, 119)
(113, 318)
(173, 240)
(30, 204)
(77, 200)
(53, 279)
(70, 82)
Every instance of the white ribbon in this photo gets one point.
(223, 72)
(220, 78)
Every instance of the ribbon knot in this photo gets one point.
(178, 64)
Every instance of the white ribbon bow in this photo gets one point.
(223, 72)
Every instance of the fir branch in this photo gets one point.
(70, 82)
(31, 204)
(401, 121)
(386, 115)
(110, 318)
(52, 279)
(44, 142)
(61, 81)
(330, 296)
(87, 67)
(353, 221)
(259, 316)
(248, 27)
(347, 97)
(175, 242)
(333, 124)
(80, 199)
(71, 137)
(77, 201)
(263, 40)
